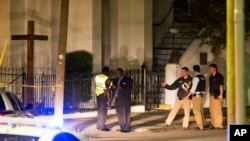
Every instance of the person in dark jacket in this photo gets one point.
(123, 86)
(184, 84)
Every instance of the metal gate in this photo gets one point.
(154, 92)
(147, 88)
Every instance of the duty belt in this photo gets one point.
(198, 94)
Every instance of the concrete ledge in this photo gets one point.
(164, 107)
(138, 109)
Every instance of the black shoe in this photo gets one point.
(211, 127)
(103, 129)
(124, 131)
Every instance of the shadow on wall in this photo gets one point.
(124, 60)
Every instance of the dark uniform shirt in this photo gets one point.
(215, 82)
(179, 83)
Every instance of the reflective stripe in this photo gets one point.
(100, 81)
(100, 88)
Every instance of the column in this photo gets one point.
(173, 72)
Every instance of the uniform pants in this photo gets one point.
(101, 111)
(186, 106)
(123, 114)
(215, 109)
(198, 110)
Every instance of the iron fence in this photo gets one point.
(79, 89)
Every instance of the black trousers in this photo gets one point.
(123, 113)
(101, 111)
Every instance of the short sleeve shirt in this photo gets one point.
(215, 82)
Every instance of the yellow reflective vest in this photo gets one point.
(100, 84)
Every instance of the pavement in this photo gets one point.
(147, 125)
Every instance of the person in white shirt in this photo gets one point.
(197, 92)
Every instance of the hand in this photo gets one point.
(186, 89)
(119, 87)
(163, 84)
(108, 104)
(186, 97)
(220, 97)
(113, 86)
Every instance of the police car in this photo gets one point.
(10, 105)
(18, 124)
(33, 129)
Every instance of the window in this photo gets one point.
(203, 58)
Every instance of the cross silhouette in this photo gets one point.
(30, 37)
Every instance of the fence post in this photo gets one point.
(143, 83)
(23, 81)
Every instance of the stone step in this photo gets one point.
(180, 35)
(184, 34)
(161, 62)
(185, 24)
(176, 42)
(162, 52)
(168, 51)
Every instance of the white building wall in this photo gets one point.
(5, 32)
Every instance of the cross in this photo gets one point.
(30, 37)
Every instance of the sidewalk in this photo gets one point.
(150, 123)
(146, 122)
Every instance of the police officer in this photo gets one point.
(197, 91)
(102, 91)
(216, 89)
(184, 84)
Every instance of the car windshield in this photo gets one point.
(16, 103)
(2, 105)
(6, 137)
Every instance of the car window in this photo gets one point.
(13, 102)
(2, 105)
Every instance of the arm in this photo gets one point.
(195, 82)
(126, 84)
(221, 92)
(221, 87)
(108, 94)
(173, 86)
